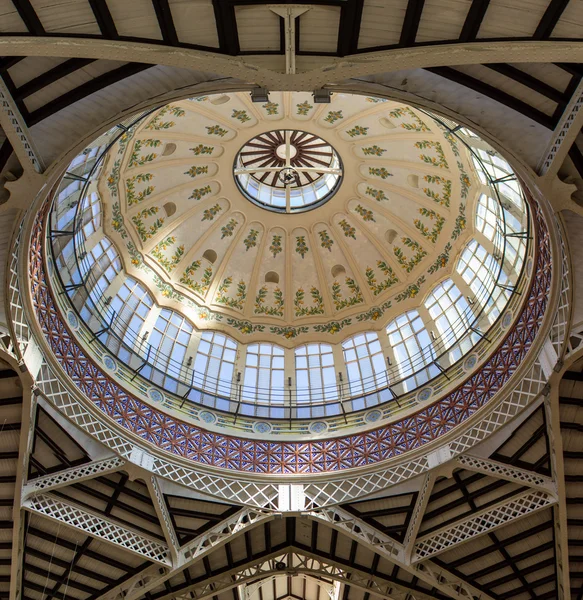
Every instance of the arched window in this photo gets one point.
(131, 305)
(168, 342)
(452, 315)
(487, 216)
(481, 272)
(365, 363)
(90, 214)
(315, 374)
(264, 373)
(493, 168)
(214, 364)
(412, 347)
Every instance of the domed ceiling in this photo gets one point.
(186, 229)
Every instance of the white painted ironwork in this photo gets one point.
(289, 14)
(73, 475)
(135, 585)
(164, 517)
(97, 526)
(17, 316)
(507, 472)
(418, 512)
(560, 327)
(17, 131)
(482, 522)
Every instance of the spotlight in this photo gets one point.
(280, 566)
(322, 96)
(259, 95)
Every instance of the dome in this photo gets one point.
(314, 265)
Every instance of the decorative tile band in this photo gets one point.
(223, 451)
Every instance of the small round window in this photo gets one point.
(288, 170)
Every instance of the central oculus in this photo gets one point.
(286, 170)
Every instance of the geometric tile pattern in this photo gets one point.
(229, 452)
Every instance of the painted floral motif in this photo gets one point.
(304, 108)
(125, 139)
(227, 230)
(144, 233)
(419, 254)
(216, 130)
(199, 193)
(301, 246)
(378, 195)
(379, 172)
(333, 326)
(131, 196)
(197, 170)
(168, 263)
(156, 124)
(417, 125)
(117, 221)
(113, 178)
(271, 108)
(373, 151)
(448, 135)
(339, 301)
(245, 327)
(325, 240)
(136, 160)
(412, 290)
(299, 303)
(289, 333)
(374, 100)
(432, 234)
(357, 130)
(441, 261)
(251, 240)
(238, 301)
(333, 116)
(349, 231)
(207, 315)
(460, 223)
(200, 99)
(367, 215)
(240, 115)
(275, 247)
(137, 259)
(196, 286)
(167, 290)
(210, 213)
(371, 279)
(440, 161)
(202, 149)
(464, 180)
(443, 199)
(375, 313)
(273, 311)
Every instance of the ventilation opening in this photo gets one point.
(413, 180)
(387, 123)
(210, 255)
(390, 235)
(222, 99)
(169, 149)
(169, 208)
(337, 270)
(271, 277)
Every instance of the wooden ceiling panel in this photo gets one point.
(442, 20)
(66, 16)
(10, 20)
(195, 22)
(512, 18)
(31, 67)
(382, 23)
(259, 29)
(549, 74)
(570, 25)
(319, 29)
(135, 18)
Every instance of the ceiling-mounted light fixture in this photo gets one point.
(322, 96)
(259, 95)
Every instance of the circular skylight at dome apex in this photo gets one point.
(288, 170)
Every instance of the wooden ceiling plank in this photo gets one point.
(166, 22)
(104, 19)
(29, 16)
(411, 22)
(474, 20)
(349, 27)
(527, 80)
(550, 18)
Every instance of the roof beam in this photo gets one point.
(164, 518)
(104, 19)
(349, 28)
(411, 22)
(473, 21)
(528, 81)
(76, 517)
(29, 16)
(226, 23)
(165, 21)
(549, 20)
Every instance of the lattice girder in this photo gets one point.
(100, 527)
(73, 475)
(482, 522)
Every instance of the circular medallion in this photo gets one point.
(424, 394)
(109, 363)
(507, 320)
(155, 395)
(261, 427)
(373, 415)
(288, 170)
(470, 362)
(72, 320)
(207, 417)
(318, 427)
